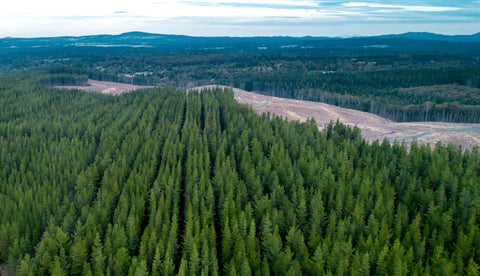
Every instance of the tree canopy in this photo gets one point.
(161, 182)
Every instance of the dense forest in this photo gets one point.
(402, 87)
(161, 182)
(408, 77)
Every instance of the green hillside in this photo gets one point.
(155, 182)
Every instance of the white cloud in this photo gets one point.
(218, 17)
(401, 7)
(255, 2)
(176, 9)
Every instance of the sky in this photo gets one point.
(38, 18)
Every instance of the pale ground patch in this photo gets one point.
(373, 127)
(106, 87)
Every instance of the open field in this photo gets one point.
(373, 127)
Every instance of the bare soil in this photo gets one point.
(373, 127)
(106, 87)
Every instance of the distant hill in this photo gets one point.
(408, 42)
(437, 37)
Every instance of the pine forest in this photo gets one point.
(161, 181)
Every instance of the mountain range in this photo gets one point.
(407, 42)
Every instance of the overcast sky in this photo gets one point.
(34, 18)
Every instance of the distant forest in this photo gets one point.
(161, 182)
(397, 82)
(402, 95)
(446, 95)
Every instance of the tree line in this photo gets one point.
(449, 95)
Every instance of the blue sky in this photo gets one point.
(33, 18)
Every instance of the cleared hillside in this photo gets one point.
(373, 127)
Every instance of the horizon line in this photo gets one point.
(245, 36)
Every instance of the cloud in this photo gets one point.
(285, 5)
(257, 4)
(235, 10)
(402, 7)
(252, 2)
(237, 17)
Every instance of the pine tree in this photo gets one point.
(79, 257)
(121, 262)
(97, 257)
(57, 269)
